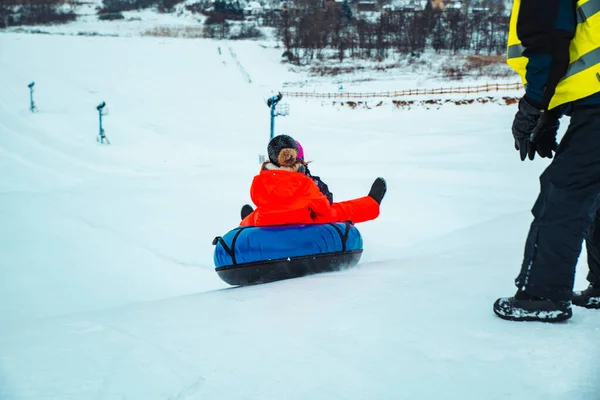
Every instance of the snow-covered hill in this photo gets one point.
(106, 275)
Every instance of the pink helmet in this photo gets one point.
(300, 151)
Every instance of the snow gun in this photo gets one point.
(32, 106)
(101, 136)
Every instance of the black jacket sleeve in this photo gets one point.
(545, 28)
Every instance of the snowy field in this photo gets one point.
(107, 284)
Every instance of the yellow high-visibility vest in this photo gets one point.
(583, 76)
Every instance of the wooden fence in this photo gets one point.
(488, 87)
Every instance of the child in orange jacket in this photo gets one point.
(285, 195)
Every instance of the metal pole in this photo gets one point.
(272, 120)
(272, 103)
(100, 119)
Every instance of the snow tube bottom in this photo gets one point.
(287, 268)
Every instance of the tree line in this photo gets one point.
(315, 28)
(31, 12)
(312, 28)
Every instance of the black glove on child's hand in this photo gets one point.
(535, 130)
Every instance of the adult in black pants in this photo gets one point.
(562, 74)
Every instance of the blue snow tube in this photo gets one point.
(251, 255)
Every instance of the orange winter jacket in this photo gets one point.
(284, 197)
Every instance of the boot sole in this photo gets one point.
(529, 318)
(595, 306)
(525, 315)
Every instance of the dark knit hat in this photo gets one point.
(279, 143)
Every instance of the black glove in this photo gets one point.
(535, 130)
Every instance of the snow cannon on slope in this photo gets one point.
(253, 255)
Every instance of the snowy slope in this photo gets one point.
(107, 282)
(397, 72)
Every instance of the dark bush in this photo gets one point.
(110, 16)
(115, 6)
(248, 31)
(166, 6)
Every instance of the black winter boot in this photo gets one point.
(246, 210)
(588, 298)
(378, 189)
(524, 307)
